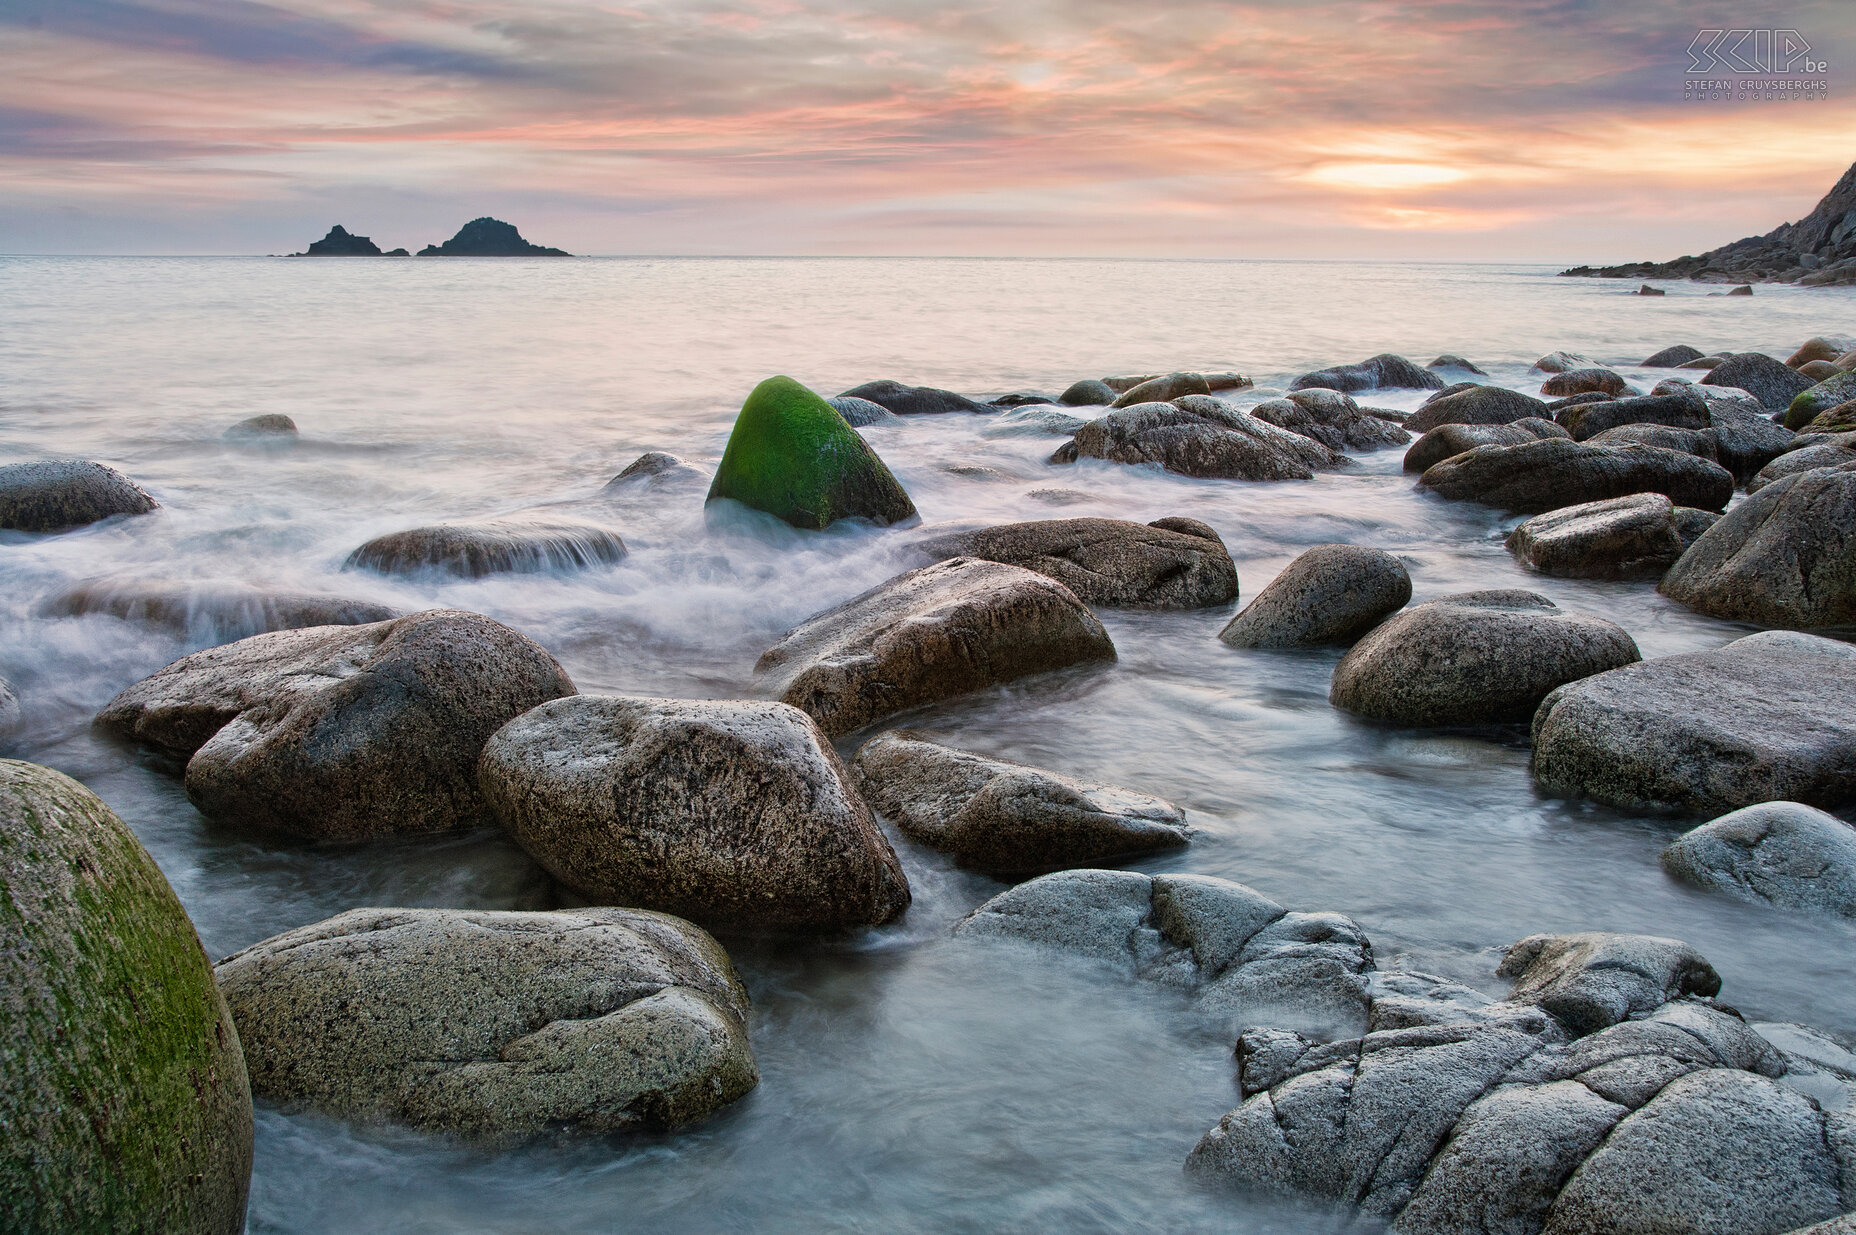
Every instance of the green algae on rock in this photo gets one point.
(124, 1103)
(793, 456)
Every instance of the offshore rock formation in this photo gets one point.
(1818, 250)
(340, 242)
(487, 237)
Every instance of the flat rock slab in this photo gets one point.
(1243, 956)
(1329, 595)
(124, 1104)
(1777, 853)
(495, 1025)
(1169, 564)
(516, 545)
(1766, 718)
(1472, 659)
(734, 813)
(1539, 476)
(995, 815)
(1784, 557)
(342, 732)
(55, 494)
(945, 630)
(1635, 537)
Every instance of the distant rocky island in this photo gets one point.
(1818, 250)
(485, 237)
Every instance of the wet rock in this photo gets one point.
(495, 1025)
(1584, 381)
(1763, 719)
(1331, 418)
(518, 544)
(1679, 411)
(1201, 436)
(1670, 357)
(931, 634)
(1698, 442)
(1033, 422)
(1477, 405)
(1381, 372)
(1061, 497)
(734, 814)
(1164, 389)
(1646, 290)
(1839, 419)
(1815, 348)
(1228, 381)
(1244, 957)
(793, 456)
(1107, 561)
(1331, 594)
(648, 472)
(1087, 393)
(1128, 381)
(906, 400)
(1784, 557)
(1742, 290)
(1819, 370)
(1745, 435)
(52, 495)
(1562, 362)
(1452, 389)
(993, 815)
(124, 1103)
(341, 732)
(1021, 398)
(1701, 362)
(1718, 1150)
(273, 426)
(1824, 451)
(1449, 361)
(1821, 398)
(1778, 853)
(1539, 476)
(1774, 385)
(1591, 980)
(1450, 440)
(219, 609)
(1474, 658)
(1633, 537)
(861, 412)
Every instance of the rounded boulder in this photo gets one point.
(52, 495)
(1331, 594)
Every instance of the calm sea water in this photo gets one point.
(910, 1084)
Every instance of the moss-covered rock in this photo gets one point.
(792, 455)
(124, 1103)
(1808, 405)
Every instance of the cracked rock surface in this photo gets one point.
(1780, 853)
(494, 1024)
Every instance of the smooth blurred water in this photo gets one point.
(910, 1083)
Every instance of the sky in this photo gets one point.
(1337, 129)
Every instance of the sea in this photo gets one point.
(911, 1082)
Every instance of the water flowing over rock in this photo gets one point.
(735, 814)
(124, 1103)
(1535, 477)
(1767, 380)
(495, 1025)
(1199, 436)
(1244, 957)
(1588, 1122)
(905, 400)
(793, 456)
(1472, 659)
(995, 815)
(860, 412)
(1447, 441)
(1778, 853)
(1477, 405)
(487, 237)
(1169, 564)
(341, 732)
(1784, 557)
(944, 630)
(1381, 372)
(519, 544)
(1329, 595)
(1635, 537)
(1679, 411)
(269, 428)
(648, 471)
(52, 495)
(220, 609)
(1763, 719)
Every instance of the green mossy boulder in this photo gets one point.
(792, 455)
(1809, 404)
(124, 1103)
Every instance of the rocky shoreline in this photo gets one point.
(1610, 1090)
